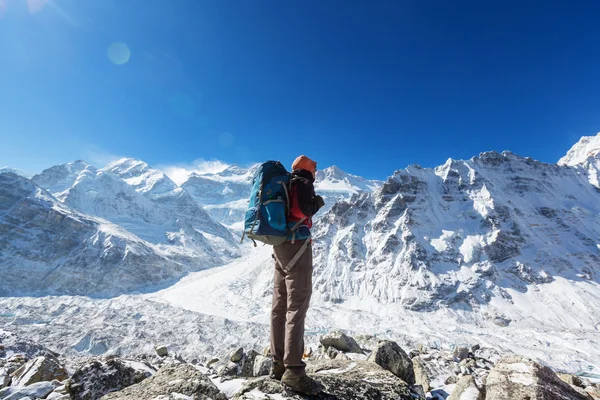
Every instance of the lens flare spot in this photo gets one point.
(226, 139)
(118, 53)
(36, 5)
(2, 8)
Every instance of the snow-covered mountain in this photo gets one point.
(585, 155)
(48, 248)
(224, 195)
(334, 184)
(4, 170)
(150, 228)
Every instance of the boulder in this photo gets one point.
(421, 376)
(466, 388)
(262, 365)
(161, 351)
(174, 381)
(237, 355)
(342, 380)
(98, 377)
(515, 378)
(340, 341)
(38, 390)
(461, 353)
(391, 357)
(39, 369)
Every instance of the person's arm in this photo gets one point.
(308, 202)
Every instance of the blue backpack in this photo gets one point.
(266, 217)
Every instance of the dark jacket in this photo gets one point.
(305, 192)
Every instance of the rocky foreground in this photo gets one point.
(370, 370)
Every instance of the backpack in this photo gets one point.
(266, 219)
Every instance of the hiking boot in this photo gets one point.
(277, 370)
(301, 383)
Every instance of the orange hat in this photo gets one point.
(306, 163)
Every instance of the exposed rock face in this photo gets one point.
(340, 341)
(467, 389)
(342, 379)
(169, 382)
(97, 378)
(391, 357)
(516, 378)
(39, 369)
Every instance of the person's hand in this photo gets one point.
(319, 201)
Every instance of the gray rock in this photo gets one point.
(466, 388)
(247, 369)
(421, 376)
(212, 362)
(162, 351)
(39, 369)
(461, 353)
(501, 321)
(171, 381)
(96, 378)
(262, 365)
(237, 355)
(515, 378)
(37, 390)
(391, 357)
(341, 342)
(342, 379)
(229, 369)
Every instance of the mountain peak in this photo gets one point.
(587, 146)
(126, 165)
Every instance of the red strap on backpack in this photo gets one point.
(296, 213)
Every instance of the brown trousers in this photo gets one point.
(291, 298)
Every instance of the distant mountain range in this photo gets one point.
(77, 229)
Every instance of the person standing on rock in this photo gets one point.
(293, 283)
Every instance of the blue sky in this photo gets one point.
(371, 86)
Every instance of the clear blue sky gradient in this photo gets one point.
(371, 86)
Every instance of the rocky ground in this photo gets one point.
(349, 368)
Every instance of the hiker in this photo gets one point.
(293, 285)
